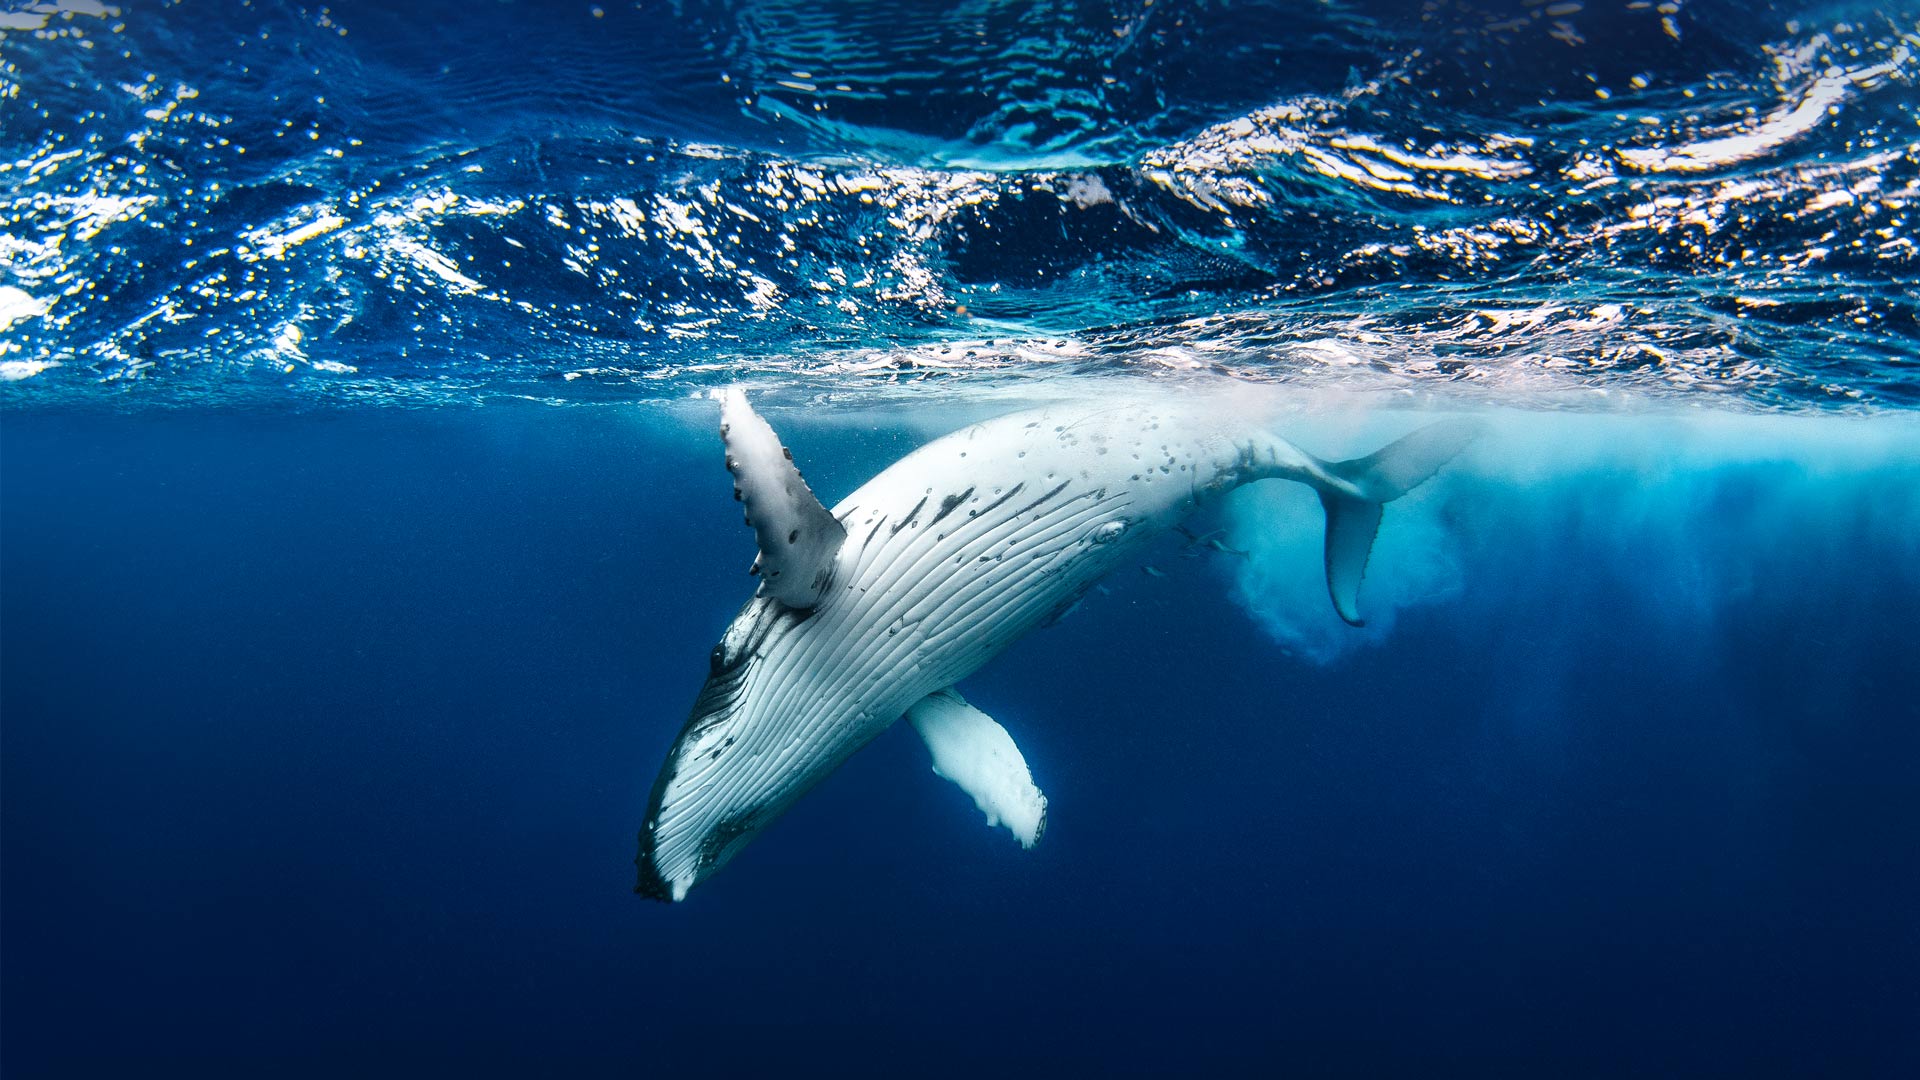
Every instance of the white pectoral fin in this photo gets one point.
(799, 538)
(978, 755)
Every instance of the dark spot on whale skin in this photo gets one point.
(737, 497)
(947, 504)
(787, 452)
(714, 847)
(911, 514)
(990, 507)
(1043, 498)
(793, 537)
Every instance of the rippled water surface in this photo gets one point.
(440, 201)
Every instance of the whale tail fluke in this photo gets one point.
(1407, 462)
(1360, 488)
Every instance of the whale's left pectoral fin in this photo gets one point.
(978, 755)
(799, 538)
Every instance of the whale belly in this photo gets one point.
(951, 555)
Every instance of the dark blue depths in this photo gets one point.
(326, 738)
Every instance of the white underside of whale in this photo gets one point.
(950, 555)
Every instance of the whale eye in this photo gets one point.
(1107, 532)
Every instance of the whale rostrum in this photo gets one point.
(874, 610)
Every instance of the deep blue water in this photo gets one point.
(326, 739)
(363, 534)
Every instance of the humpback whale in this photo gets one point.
(875, 609)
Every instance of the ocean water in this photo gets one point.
(364, 535)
